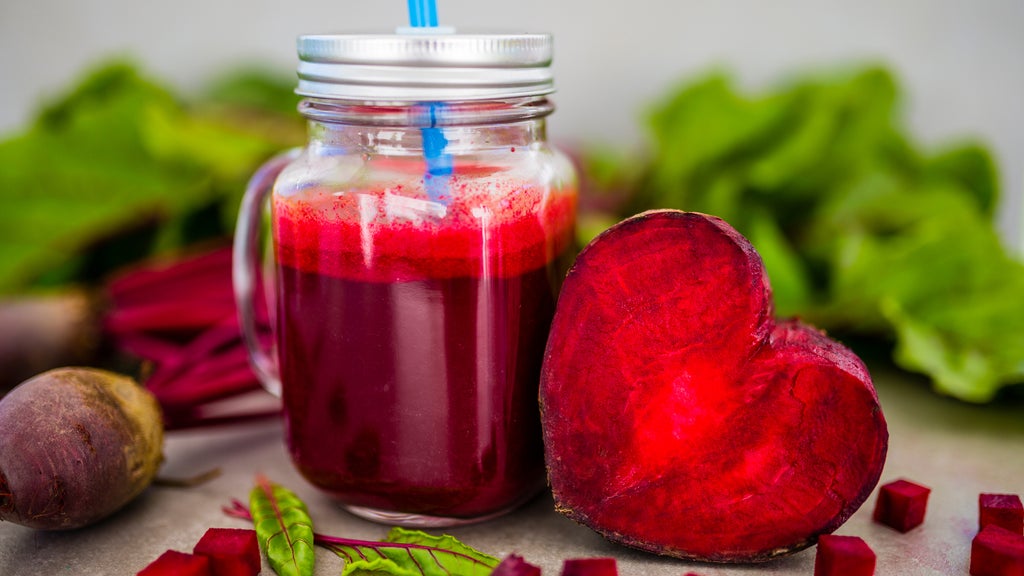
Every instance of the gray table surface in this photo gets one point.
(956, 449)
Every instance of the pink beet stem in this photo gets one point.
(211, 284)
(168, 316)
(139, 282)
(148, 347)
(222, 335)
(193, 392)
(196, 419)
(230, 362)
(334, 544)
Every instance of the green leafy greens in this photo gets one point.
(120, 167)
(861, 232)
(284, 528)
(411, 553)
(285, 533)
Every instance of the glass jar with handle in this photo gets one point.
(418, 242)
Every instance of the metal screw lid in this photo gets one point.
(424, 67)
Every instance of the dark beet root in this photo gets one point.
(996, 551)
(173, 563)
(901, 505)
(77, 444)
(232, 551)
(843, 556)
(1003, 510)
(681, 419)
(41, 332)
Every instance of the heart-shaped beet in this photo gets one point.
(681, 419)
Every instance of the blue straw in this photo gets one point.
(439, 163)
(423, 14)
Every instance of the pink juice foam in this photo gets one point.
(410, 351)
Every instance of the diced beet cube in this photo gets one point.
(172, 563)
(901, 505)
(843, 556)
(997, 551)
(1003, 510)
(232, 551)
(514, 565)
(590, 567)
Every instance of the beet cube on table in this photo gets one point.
(232, 551)
(843, 556)
(901, 505)
(1003, 510)
(172, 563)
(997, 551)
(590, 567)
(514, 565)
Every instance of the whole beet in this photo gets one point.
(76, 444)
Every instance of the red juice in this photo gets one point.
(410, 336)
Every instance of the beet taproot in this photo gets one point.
(680, 418)
(77, 444)
(44, 331)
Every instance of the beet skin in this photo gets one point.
(680, 418)
(76, 444)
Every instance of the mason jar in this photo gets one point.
(417, 245)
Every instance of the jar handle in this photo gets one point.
(245, 265)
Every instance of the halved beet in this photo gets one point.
(681, 419)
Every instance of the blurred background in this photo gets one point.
(871, 150)
(959, 63)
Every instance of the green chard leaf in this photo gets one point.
(972, 167)
(119, 167)
(703, 128)
(861, 231)
(284, 528)
(411, 553)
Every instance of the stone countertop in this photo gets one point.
(958, 450)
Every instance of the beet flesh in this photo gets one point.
(679, 418)
(173, 563)
(232, 551)
(515, 565)
(590, 567)
(1003, 510)
(843, 556)
(996, 551)
(78, 444)
(901, 505)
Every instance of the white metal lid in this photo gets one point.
(424, 67)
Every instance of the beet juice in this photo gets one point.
(419, 242)
(410, 361)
